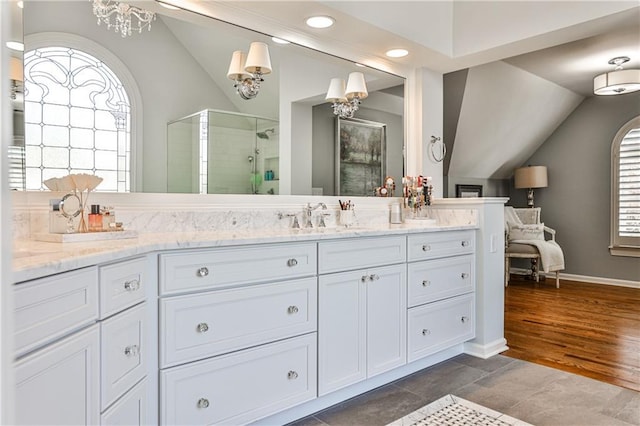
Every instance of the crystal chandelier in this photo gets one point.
(123, 13)
(346, 100)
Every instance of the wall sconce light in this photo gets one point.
(16, 75)
(346, 100)
(531, 177)
(247, 69)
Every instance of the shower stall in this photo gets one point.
(222, 152)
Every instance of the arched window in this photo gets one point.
(77, 119)
(625, 156)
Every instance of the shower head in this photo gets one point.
(264, 135)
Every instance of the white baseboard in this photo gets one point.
(486, 351)
(587, 279)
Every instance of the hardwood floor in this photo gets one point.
(588, 329)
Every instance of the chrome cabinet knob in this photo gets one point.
(203, 327)
(292, 375)
(203, 403)
(292, 309)
(292, 262)
(426, 332)
(203, 272)
(464, 275)
(465, 243)
(464, 319)
(132, 350)
(426, 247)
(374, 277)
(426, 283)
(132, 285)
(364, 278)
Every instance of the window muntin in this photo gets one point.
(77, 119)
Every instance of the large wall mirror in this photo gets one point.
(175, 76)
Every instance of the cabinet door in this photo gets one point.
(341, 330)
(386, 318)
(59, 385)
(130, 410)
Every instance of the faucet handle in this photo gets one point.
(295, 224)
(321, 223)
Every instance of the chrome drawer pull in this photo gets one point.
(426, 283)
(203, 403)
(465, 243)
(131, 350)
(464, 276)
(203, 327)
(292, 262)
(203, 272)
(426, 247)
(373, 277)
(364, 278)
(292, 310)
(292, 375)
(425, 332)
(464, 319)
(132, 285)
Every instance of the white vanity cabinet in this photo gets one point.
(441, 299)
(83, 346)
(362, 313)
(237, 332)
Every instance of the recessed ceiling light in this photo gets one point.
(279, 40)
(360, 65)
(15, 45)
(21, 4)
(168, 6)
(320, 21)
(397, 53)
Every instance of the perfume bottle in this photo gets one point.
(108, 217)
(95, 219)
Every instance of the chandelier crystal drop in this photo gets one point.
(123, 16)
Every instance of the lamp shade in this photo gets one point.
(356, 86)
(15, 69)
(336, 91)
(617, 82)
(258, 59)
(236, 67)
(531, 177)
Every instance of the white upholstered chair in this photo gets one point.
(518, 246)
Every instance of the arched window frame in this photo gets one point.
(620, 245)
(46, 39)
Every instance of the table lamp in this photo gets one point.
(531, 177)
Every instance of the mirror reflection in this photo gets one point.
(174, 74)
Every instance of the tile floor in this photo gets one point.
(533, 393)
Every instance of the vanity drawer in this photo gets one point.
(123, 340)
(201, 269)
(440, 244)
(121, 285)
(440, 325)
(438, 279)
(201, 325)
(226, 389)
(130, 410)
(51, 307)
(345, 255)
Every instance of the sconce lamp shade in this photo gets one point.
(236, 67)
(356, 86)
(258, 59)
(531, 177)
(15, 69)
(336, 91)
(617, 82)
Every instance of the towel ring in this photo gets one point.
(438, 155)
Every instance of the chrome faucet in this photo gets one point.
(307, 213)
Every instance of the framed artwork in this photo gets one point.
(360, 156)
(468, 191)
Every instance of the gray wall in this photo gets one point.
(577, 202)
(324, 135)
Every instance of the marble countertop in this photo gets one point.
(34, 259)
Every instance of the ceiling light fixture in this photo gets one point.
(320, 21)
(246, 70)
(618, 81)
(346, 100)
(15, 45)
(280, 40)
(123, 15)
(397, 53)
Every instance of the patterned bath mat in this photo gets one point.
(453, 411)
